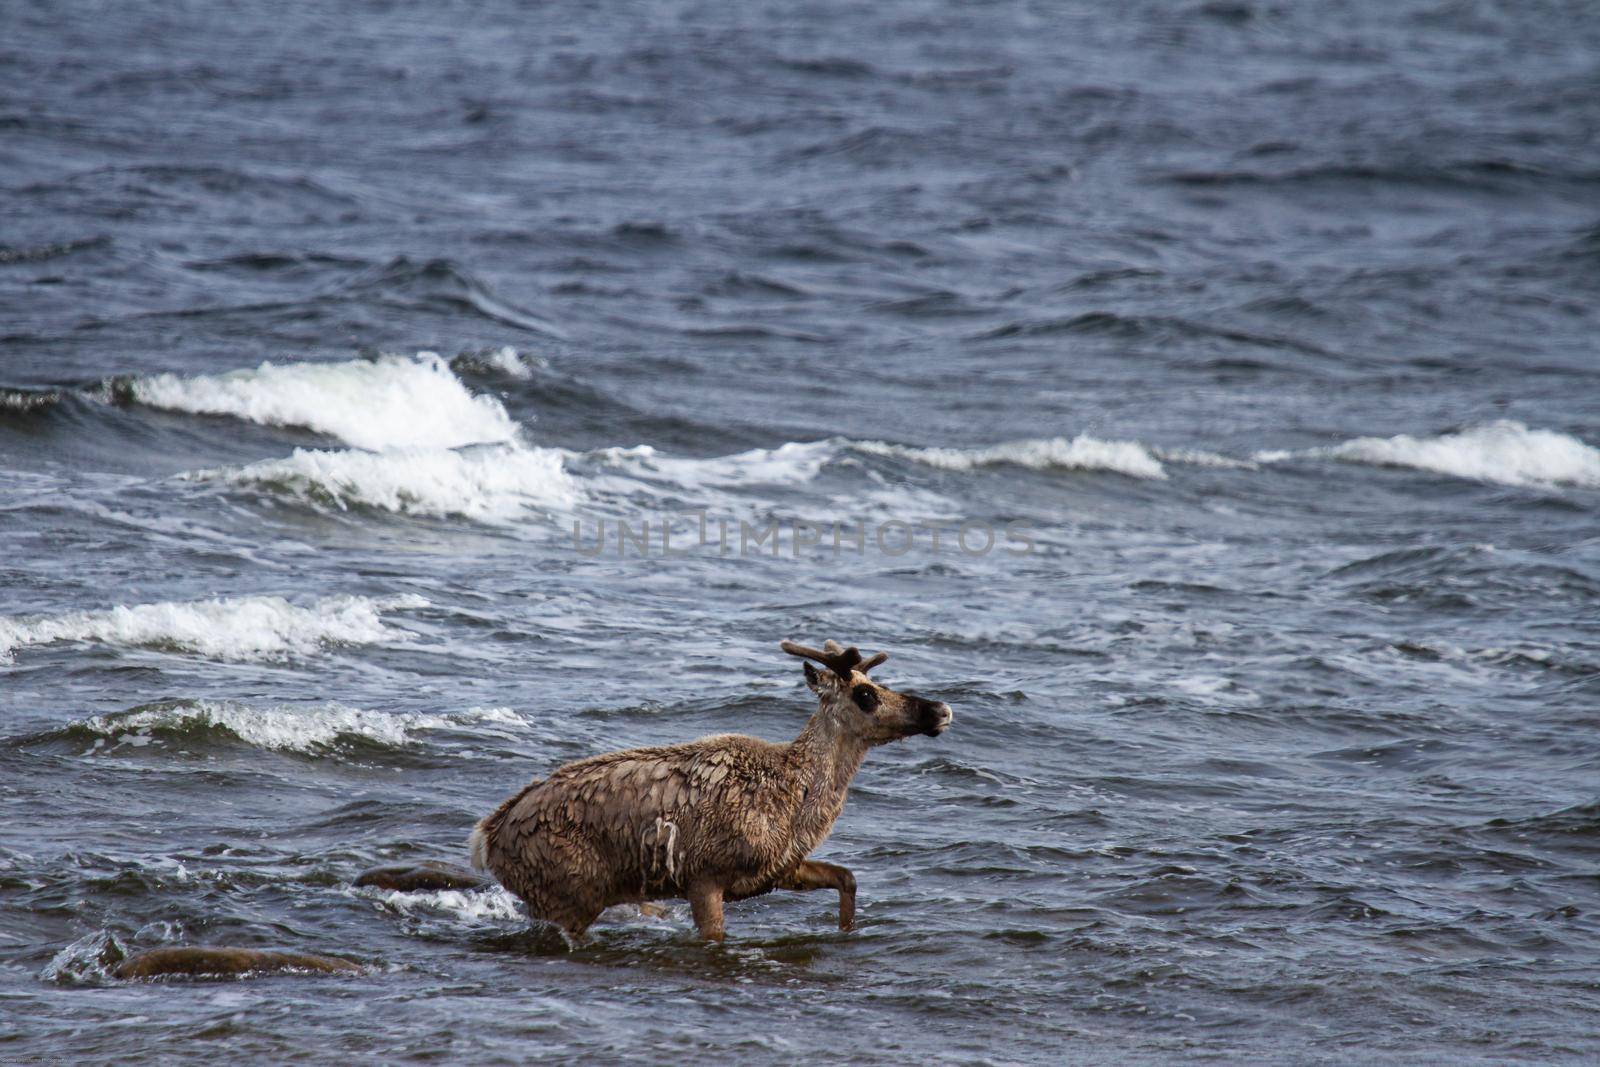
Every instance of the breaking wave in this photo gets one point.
(1082, 453)
(25, 402)
(237, 629)
(503, 482)
(798, 462)
(504, 360)
(789, 464)
(1503, 452)
(373, 404)
(306, 729)
(495, 483)
(623, 473)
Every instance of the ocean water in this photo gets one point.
(1246, 356)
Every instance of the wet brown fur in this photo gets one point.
(723, 818)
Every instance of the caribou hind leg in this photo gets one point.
(814, 874)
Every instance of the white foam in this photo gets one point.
(392, 400)
(1197, 457)
(24, 402)
(1080, 453)
(496, 483)
(793, 463)
(473, 906)
(237, 628)
(88, 960)
(508, 362)
(1503, 452)
(620, 474)
(292, 728)
(1214, 689)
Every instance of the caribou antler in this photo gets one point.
(840, 661)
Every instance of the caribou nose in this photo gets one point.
(938, 717)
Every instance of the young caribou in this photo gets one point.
(714, 820)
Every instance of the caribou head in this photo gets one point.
(873, 712)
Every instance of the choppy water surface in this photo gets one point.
(1274, 323)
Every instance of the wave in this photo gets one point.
(196, 185)
(504, 482)
(497, 483)
(87, 961)
(504, 360)
(443, 286)
(1150, 327)
(620, 475)
(1199, 457)
(793, 463)
(1082, 453)
(233, 629)
(491, 906)
(309, 730)
(473, 907)
(1503, 452)
(39, 253)
(23, 403)
(1485, 174)
(373, 404)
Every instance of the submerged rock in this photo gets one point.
(411, 878)
(227, 961)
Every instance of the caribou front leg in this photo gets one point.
(705, 901)
(814, 874)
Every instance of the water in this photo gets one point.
(1274, 324)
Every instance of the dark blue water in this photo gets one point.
(1271, 327)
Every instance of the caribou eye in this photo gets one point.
(866, 698)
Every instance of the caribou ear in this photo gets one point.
(813, 683)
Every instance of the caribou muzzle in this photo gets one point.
(934, 716)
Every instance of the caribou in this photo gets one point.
(712, 821)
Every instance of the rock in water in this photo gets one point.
(411, 878)
(227, 961)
